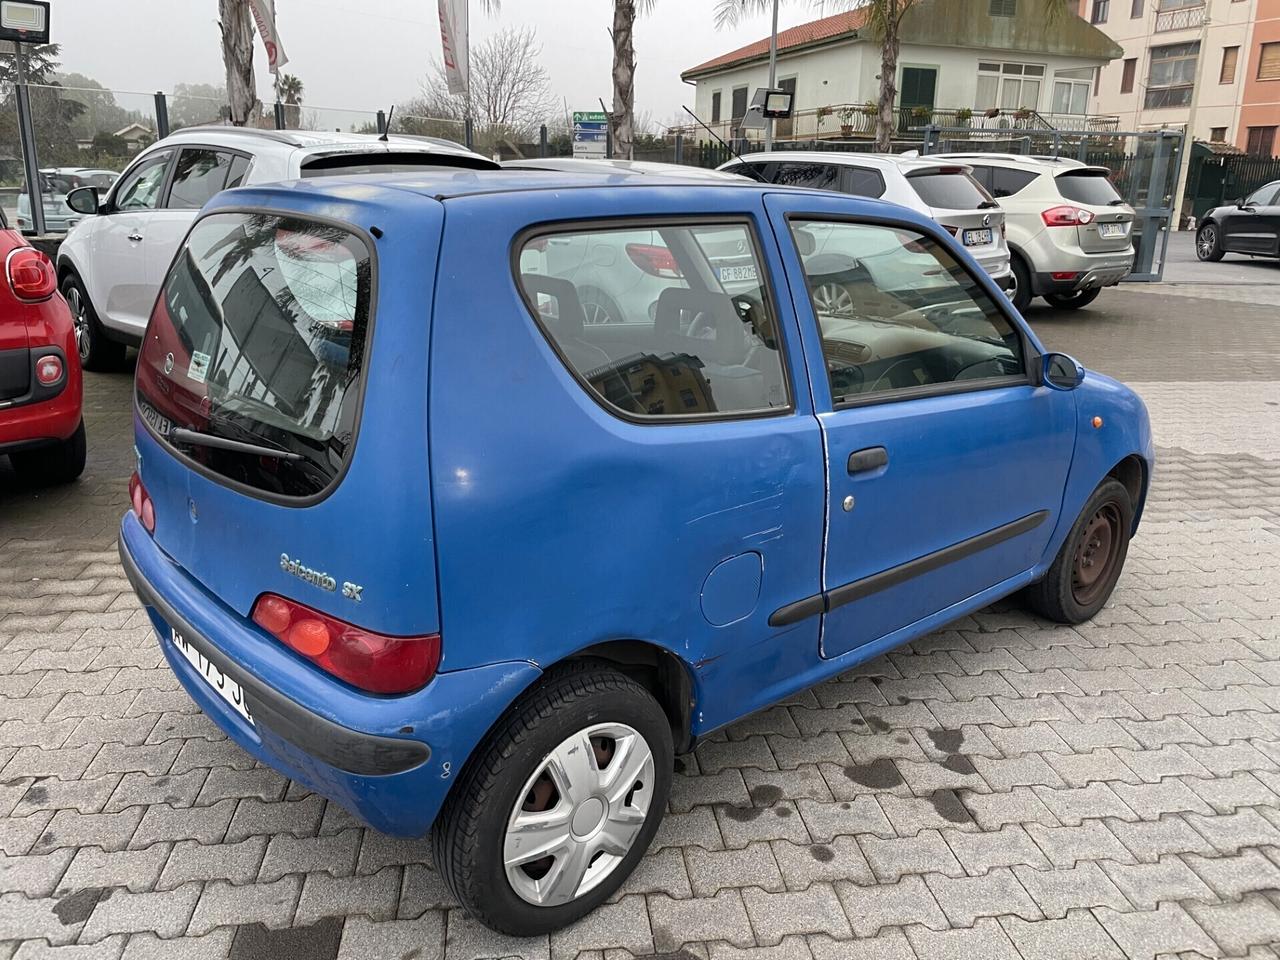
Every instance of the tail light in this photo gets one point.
(1066, 216)
(1064, 275)
(49, 370)
(31, 276)
(140, 500)
(655, 261)
(370, 661)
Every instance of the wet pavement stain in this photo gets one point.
(741, 814)
(948, 741)
(765, 795)
(782, 811)
(681, 767)
(950, 806)
(822, 853)
(316, 941)
(959, 763)
(75, 907)
(36, 793)
(877, 724)
(902, 740)
(878, 774)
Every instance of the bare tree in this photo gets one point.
(237, 55)
(508, 91)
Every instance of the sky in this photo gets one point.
(366, 55)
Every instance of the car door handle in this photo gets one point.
(135, 236)
(870, 458)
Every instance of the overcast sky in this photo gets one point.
(350, 56)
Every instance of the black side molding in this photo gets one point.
(858, 589)
(365, 754)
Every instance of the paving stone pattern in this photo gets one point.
(1002, 788)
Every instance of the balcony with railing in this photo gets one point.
(1180, 17)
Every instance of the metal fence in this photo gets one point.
(1215, 179)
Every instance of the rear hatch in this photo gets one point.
(15, 359)
(958, 202)
(1111, 228)
(252, 383)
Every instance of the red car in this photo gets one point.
(41, 392)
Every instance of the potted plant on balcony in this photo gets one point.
(1023, 114)
(846, 120)
(822, 114)
(963, 116)
(921, 114)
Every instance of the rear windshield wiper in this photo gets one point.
(1117, 202)
(182, 435)
(988, 205)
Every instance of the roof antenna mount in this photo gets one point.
(737, 156)
(390, 113)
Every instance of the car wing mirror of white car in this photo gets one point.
(83, 200)
(1061, 372)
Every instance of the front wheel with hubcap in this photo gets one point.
(1087, 567)
(1208, 246)
(558, 803)
(1073, 300)
(96, 351)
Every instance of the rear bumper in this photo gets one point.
(1090, 272)
(42, 415)
(389, 760)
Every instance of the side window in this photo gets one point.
(823, 176)
(1007, 183)
(140, 188)
(199, 174)
(1264, 196)
(984, 176)
(897, 312)
(861, 182)
(239, 167)
(659, 322)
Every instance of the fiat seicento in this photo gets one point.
(415, 533)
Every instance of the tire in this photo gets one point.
(1072, 591)
(598, 307)
(58, 463)
(1073, 301)
(96, 351)
(516, 771)
(1209, 243)
(1021, 296)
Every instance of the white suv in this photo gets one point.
(1070, 232)
(111, 264)
(940, 189)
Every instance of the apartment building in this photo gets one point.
(1210, 66)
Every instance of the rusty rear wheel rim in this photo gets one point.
(1097, 554)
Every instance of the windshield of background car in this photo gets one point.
(259, 336)
(1088, 186)
(948, 190)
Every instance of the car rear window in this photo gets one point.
(1087, 186)
(258, 339)
(947, 190)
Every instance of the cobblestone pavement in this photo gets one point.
(1002, 788)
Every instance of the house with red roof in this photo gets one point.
(979, 62)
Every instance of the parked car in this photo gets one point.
(615, 539)
(1070, 231)
(942, 190)
(41, 423)
(1250, 225)
(621, 273)
(55, 184)
(110, 266)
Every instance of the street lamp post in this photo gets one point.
(773, 71)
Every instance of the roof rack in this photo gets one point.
(280, 136)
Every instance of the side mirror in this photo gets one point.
(83, 200)
(1061, 371)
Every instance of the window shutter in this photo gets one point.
(1004, 8)
(1269, 62)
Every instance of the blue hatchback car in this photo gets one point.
(415, 533)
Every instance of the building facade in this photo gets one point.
(1209, 66)
(959, 60)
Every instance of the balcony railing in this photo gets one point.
(845, 121)
(1185, 18)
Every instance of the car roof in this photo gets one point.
(317, 141)
(881, 161)
(596, 165)
(1029, 161)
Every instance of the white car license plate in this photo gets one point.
(977, 238)
(732, 274)
(1111, 230)
(158, 421)
(222, 685)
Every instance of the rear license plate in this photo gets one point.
(1111, 230)
(977, 238)
(732, 274)
(158, 421)
(222, 685)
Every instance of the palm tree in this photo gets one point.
(622, 118)
(884, 20)
(289, 90)
(237, 56)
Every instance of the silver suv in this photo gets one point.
(1070, 233)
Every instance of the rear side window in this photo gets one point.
(861, 182)
(1091, 187)
(197, 176)
(659, 322)
(948, 190)
(252, 360)
(822, 176)
(1009, 183)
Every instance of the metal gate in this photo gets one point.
(1144, 169)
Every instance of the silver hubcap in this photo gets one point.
(832, 298)
(579, 814)
(78, 321)
(596, 313)
(1206, 242)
